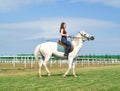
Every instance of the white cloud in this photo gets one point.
(23, 36)
(113, 3)
(8, 5)
(49, 27)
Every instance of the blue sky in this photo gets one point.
(26, 23)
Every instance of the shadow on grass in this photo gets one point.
(59, 75)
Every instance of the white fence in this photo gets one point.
(18, 59)
(83, 61)
(98, 61)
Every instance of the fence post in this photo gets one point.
(60, 63)
(25, 61)
(82, 62)
(32, 62)
(93, 61)
(0, 60)
(88, 61)
(51, 63)
(14, 59)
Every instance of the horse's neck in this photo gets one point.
(77, 42)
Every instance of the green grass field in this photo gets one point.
(105, 78)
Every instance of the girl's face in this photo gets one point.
(64, 25)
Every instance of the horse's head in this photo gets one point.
(86, 36)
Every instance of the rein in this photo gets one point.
(77, 37)
(80, 37)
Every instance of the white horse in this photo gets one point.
(48, 49)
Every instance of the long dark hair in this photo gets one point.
(62, 26)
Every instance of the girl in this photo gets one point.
(64, 36)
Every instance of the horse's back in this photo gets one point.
(49, 45)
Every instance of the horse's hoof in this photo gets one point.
(40, 76)
(49, 75)
(75, 76)
(64, 75)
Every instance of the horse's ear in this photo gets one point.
(81, 32)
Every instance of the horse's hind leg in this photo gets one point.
(45, 64)
(40, 66)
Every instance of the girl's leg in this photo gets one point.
(67, 43)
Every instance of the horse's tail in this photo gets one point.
(36, 53)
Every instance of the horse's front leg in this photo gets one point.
(74, 73)
(71, 64)
(69, 67)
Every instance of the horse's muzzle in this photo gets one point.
(92, 38)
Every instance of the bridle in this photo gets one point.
(81, 37)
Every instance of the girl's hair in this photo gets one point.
(62, 26)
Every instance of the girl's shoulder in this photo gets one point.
(61, 30)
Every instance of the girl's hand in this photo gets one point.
(69, 36)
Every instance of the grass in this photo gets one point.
(105, 78)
